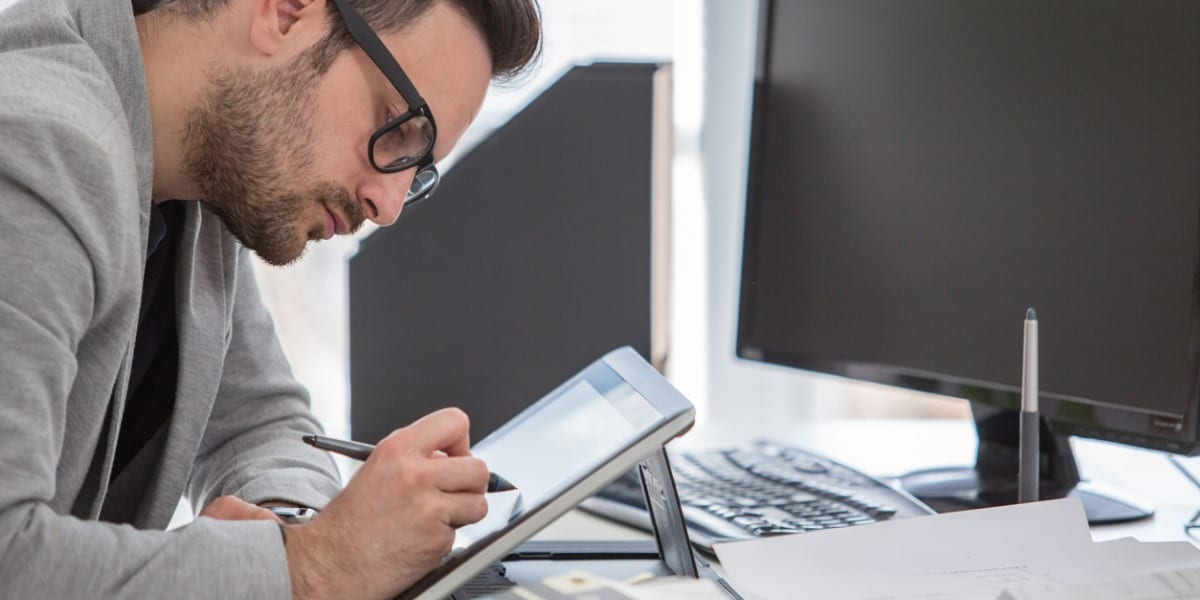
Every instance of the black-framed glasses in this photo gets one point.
(406, 140)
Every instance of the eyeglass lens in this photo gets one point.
(404, 144)
(423, 185)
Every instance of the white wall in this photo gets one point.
(737, 390)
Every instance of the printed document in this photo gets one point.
(986, 554)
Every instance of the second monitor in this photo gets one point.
(543, 249)
(923, 171)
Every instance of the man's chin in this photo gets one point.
(277, 253)
(279, 260)
(278, 256)
(278, 242)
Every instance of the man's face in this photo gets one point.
(280, 154)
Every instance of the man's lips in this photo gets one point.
(335, 223)
(330, 225)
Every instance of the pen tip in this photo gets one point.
(1030, 315)
(497, 483)
(310, 439)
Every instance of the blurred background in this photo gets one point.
(711, 47)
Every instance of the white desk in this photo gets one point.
(889, 447)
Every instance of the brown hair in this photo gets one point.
(511, 28)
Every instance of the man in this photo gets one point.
(137, 362)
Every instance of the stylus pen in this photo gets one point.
(1030, 434)
(361, 451)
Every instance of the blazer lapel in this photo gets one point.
(200, 320)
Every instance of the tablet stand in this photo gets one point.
(674, 549)
(658, 485)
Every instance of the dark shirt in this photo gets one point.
(152, 378)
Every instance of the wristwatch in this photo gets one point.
(293, 514)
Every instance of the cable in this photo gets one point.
(1194, 522)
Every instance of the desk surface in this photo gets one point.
(889, 447)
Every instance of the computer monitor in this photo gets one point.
(922, 172)
(543, 249)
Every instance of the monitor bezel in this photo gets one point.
(1168, 432)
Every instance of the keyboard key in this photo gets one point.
(748, 522)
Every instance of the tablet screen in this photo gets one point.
(563, 448)
(555, 443)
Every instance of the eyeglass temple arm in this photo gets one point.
(378, 53)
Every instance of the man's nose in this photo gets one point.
(382, 196)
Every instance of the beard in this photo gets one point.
(249, 148)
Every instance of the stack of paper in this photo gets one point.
(1036, 551)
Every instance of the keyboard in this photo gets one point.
(761, 489)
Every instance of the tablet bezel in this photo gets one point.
(678, 416)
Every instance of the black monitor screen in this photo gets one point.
(923, 171)
(533, 258)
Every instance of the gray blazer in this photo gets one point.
(75, 182)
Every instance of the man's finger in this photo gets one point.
(447, 430)
(461, 474)
(464, 508)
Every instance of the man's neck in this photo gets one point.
(173, 52)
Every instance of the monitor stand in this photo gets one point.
(993, 479)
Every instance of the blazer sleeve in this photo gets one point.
(53, 278)
(252, 445)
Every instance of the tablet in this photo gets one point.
(559, 451)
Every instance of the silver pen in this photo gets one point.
(361, 451)
(1030, 433)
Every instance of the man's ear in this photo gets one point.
(285, 26)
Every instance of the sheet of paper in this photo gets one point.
(1131, 556)
(1158, 585)
(581, 585)
(955, 556)
(1117, 570)
(677, 588)
(500, 510)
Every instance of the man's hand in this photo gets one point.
(232, 508)
(395, 520)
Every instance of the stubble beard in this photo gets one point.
(249, 149)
